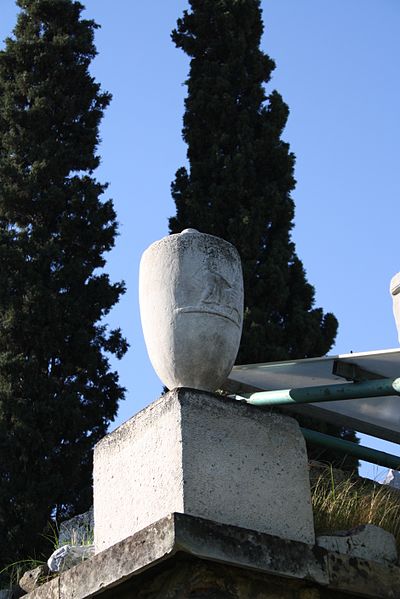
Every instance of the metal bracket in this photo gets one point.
(353, 372)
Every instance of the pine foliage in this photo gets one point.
(57, 392)
(240, 176)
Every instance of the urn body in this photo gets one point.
(191, 305)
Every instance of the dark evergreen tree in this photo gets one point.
(240, 178)
(57, 391)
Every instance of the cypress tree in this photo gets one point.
(239, 180)
(57, 391)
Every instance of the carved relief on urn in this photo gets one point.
(191, 304)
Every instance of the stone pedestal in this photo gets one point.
(203, 455)
(183, 557)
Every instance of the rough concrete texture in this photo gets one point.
(191, 306)
(368, 542)
(182, 557)
(200, 454)
(137, 473)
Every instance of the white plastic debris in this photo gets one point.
(68, 556)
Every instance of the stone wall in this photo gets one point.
(184, 557)
(197, 579)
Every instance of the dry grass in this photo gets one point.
(343, 502)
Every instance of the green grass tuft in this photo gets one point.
(341, 502)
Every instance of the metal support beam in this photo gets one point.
(361, 452)
(335, 392)
(378, 388)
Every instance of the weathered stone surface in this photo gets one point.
(77, 530)
(217, 561)
(249, 549)
(191, 305)
(363, 578)
(32, 579)
(120, 562)
(199, 454)
(199, 579)
(367, 542)
(67, 556)
(49, 590)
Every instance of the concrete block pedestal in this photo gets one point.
(207, 456)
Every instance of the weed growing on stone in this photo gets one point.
(83, 536)
(12, 573)
(341, 502)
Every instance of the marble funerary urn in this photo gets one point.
(191, 305)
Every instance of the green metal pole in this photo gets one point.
(335, 392)
(348, 447)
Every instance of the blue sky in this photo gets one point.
(337, 68)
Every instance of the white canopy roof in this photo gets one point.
(378, 416)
